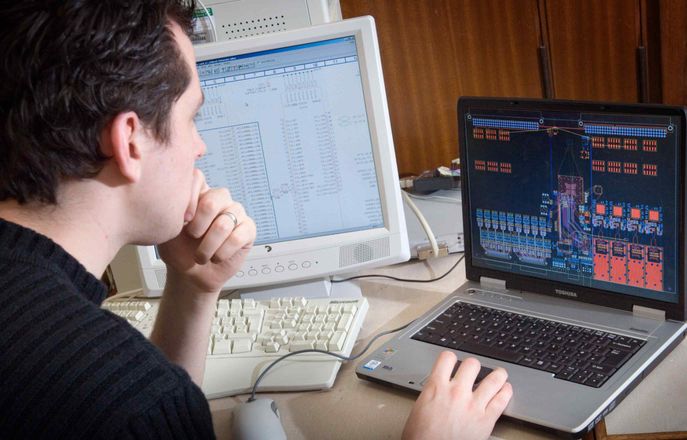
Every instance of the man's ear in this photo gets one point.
(122, 141)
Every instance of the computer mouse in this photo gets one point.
(258, 420)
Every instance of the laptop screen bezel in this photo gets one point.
(591, 295)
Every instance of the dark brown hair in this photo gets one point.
(68, 68)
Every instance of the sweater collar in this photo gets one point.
(17, 241)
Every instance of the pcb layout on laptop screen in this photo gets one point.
(590, 199)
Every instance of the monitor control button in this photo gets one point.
(293, 266)
(279, 269)
(240, 274)
(306, 264)
(252, 272)
(266, 270)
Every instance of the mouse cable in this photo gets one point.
(402, 279)
(313, 350)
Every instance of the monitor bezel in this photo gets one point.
(394, 228)
(591, 295)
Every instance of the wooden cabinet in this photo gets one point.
(592, 46)
(673, 53)
(434, 51)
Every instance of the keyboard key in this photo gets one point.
(615, 358)
(623, 346)
(337, 341)
(554, 368)
(566, 373)
(222, 346)
(345, 322)
(241, 346)
(301, 345)
(581, 376)
(603, 369)
(596, 380)
(271, 347)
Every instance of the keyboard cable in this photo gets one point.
(313, 350)
(402, 279)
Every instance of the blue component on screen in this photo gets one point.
(626, 131)
(500, 123)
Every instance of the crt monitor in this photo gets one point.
(297, 127)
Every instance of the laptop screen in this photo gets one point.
(590, 199)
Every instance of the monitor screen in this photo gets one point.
(296, 126)
(587, 198)
(286, 131)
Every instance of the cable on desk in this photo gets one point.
(313, 350)
(423, 222)
(402, 279)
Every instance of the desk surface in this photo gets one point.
(355, 408)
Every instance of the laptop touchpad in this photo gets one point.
(483, 372)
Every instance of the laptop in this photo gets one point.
(574, 221)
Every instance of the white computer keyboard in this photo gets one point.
(247, 335)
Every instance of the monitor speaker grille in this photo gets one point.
(362, 252)
(249, 27)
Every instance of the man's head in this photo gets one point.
(69, 68)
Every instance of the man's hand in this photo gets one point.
(210, 248)
(450, 409)
(207, 252)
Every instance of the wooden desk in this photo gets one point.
(355, 408)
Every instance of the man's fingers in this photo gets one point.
(239, 240)
(211, 204)
(467, 373)
(489, 386)
(498, 403)
(443, 367)
(223, 233)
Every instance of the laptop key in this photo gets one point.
(596, 380)
(554, 368)
(624, 346)
(527, 361)
(581, 376)
(603, 369)
(566, 373)
(616, 357)
(541, 364)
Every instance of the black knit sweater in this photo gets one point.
(69, 369)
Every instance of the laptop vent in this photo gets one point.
(362, 252)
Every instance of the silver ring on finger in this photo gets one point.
(232, 216)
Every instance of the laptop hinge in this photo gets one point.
(492, 283)
(646, 312)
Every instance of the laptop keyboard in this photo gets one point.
(573, 353)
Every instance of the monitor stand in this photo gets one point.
(319, 288)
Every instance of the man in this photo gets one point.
(98, 144)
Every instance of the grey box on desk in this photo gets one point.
(444, 213)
